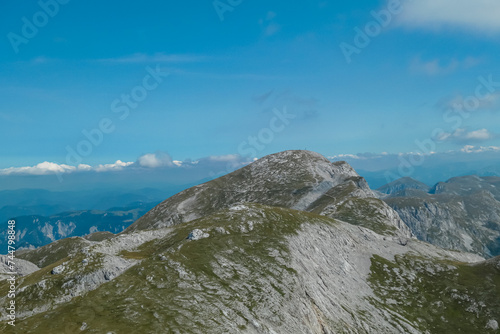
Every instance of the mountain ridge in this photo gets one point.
(462, 213)
(209, 261)
(301, 180)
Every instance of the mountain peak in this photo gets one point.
(308, 161)
(295, 155)
(404, 183)
(468, 185)
(292, 179)
(300, 180)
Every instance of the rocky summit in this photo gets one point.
(299, 180)
(291, 243)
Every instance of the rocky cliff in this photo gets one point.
(462, 214)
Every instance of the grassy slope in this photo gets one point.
(354, 210)
(53, 252)
(218, 284)
(365, 212)
(439, 296)
(220, 280)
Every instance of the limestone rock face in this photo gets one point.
(21, 267)
(197, 234)
(58, 270)
(461, 214)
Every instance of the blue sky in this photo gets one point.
(416, 79)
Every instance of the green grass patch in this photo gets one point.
(438, 296)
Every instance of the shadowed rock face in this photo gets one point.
(462, 214)
(22, 267)
(403, 184)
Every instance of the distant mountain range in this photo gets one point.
(35, 230)
(291, 243)
(403, 185)
(44, 216)
(431, 174)
(462, 213)
(22, 202)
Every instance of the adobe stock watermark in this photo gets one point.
(454, 115)
(121, 108)
(30, 26)
(364, 36)
(223, 6)
(256, 143)
(12, 278)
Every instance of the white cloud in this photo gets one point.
(479, 149)
(118, 165)
(43, 168)
(46, 168)
(83, 167)
(373, 162)
(478, 15)
(462, 135)
(149, 160)
(344, 156)
(482, 134)
(155, 160)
